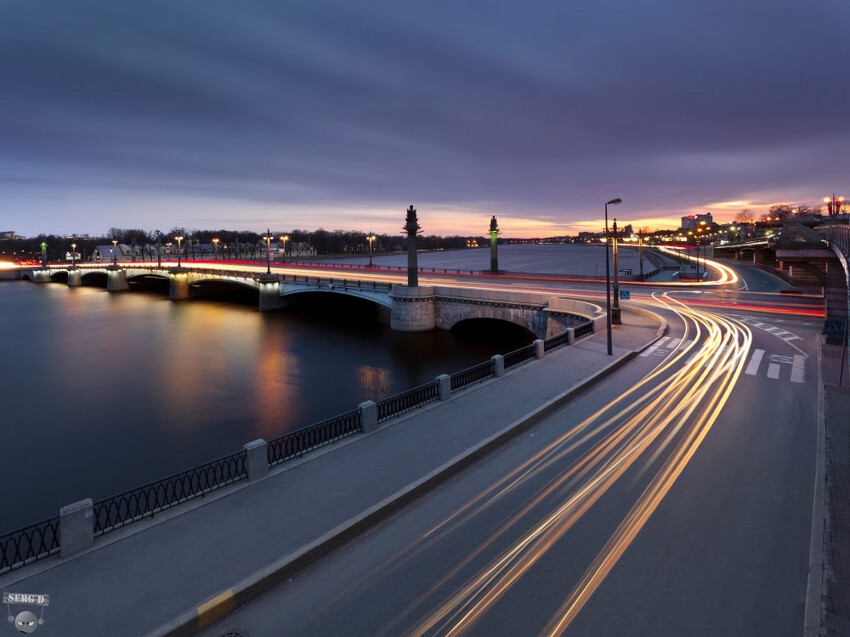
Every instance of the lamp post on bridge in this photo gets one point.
(73, 256)
(371, 238)
(613, 202)
(215, 247)
(268, 239)
(115, 252)
(284, 238)
(158, 249)
(411, 226)
(179, 240)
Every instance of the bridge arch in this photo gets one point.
(481, 326)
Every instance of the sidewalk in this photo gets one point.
(835, 617)
(188, 566)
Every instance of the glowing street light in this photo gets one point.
(284, 238)
(115, 252)
(834, 204)
(371, 238)
(215, 247)
(73, 255)
(615, 308)
(268, 239)
(613, 202)
(179, 240)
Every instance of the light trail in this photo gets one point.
(671, 411)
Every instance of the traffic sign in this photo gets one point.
(625, 295)
(833, 327)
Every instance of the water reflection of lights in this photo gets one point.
(664, 418)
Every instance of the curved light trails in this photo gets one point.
(670, 412)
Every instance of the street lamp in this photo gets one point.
(613, 202)
(833, 205)
(73, 255)
(371, 238)
(284, 238)
(268, 239)
(158, 249)
(115, 252)
(215, 247)
(179, 240)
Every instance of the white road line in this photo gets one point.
(755, 361)
(651, 350)
(798, 371)
(773, 371)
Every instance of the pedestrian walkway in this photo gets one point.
(835, 618)
(188, 566)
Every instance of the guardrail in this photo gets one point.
(407, 400)
(38, 541)
(29, 544)
(144, 502)
(297, 443)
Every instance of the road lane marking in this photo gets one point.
(773, 371)
(651, 350)
(755, 361)
(798, 371)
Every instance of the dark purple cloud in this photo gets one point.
(535, 110)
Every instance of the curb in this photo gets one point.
(814, 587)
(214, 609)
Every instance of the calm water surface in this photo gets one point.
(104, 392)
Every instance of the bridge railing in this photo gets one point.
(520, 356)
(838, 235)
(297, 443)
(143, 502)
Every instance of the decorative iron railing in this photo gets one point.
(519, 356)
(472, 375)
(297, 443)
(407, 400)
(26, 545)
(583, 329)
(117, 511)
(556, 341)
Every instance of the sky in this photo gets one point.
(335, 114)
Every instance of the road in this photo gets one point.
(672, 499)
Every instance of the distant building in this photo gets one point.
(8, 235)
(690, 222)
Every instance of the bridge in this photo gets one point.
(411, 309)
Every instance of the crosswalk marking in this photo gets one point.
(755, 361)
(651, 350)
(773, 371)
(798, 370)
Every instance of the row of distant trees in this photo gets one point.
(235, 244)
(784, 212)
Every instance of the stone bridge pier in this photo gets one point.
(116, 280)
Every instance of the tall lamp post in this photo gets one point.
(73, 255)
(284, 238)
(215, 247)
(613, 202)
(370, 239)
(158, 249)
(268, 239)
(179, 240)
(115, 252)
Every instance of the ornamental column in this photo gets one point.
(494, 250)
(412, 227)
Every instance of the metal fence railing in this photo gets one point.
(472, 375)
(519, 356)
(297, 443)
(407, 400)
(37, 541)
(114, 512)
(26, 545)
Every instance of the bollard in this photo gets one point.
(539, 349)
(256, 458)
(444, 386)
(498, 365)
(76, 527)
(369, 415)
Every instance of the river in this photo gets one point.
(105, 392)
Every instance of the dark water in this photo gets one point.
(104, 392)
